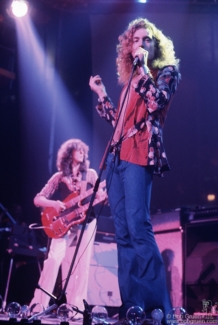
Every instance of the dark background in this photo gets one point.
(81, 40)
(39, 110)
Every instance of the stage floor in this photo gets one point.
(197, 319)
(48, 319)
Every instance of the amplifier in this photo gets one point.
(168, 233)
(166, 222)
(105, 224)
(203, 214)
(103, 286)
(200, 264)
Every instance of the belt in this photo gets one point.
(114, 148)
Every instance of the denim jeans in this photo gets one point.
(141, 272)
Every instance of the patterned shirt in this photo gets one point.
(58, 181)
(146, 110)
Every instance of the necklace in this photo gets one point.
(75, 180)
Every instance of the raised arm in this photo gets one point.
(105, 107)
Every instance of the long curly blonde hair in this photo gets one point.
(164, 49)
(65, 156)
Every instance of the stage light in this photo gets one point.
(65, 313)
(19, 8)
(24, 312)
(177, 315)
(13, 310)
(211, 197)
(99, 315)
(157, 316)
(36, 310)
(135, 315)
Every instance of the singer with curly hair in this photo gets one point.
(148, 72)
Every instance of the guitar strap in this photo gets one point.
(83, 183)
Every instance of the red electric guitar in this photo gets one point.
(57, 224)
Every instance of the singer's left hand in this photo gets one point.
(97, 86)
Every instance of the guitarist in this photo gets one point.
(73, 176)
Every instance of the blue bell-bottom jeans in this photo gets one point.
(141, 272)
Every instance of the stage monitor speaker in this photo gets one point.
(169, 236)
(201, 265)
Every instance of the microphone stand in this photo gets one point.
(107, 150)
(86, 313)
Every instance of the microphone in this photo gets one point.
(136, 61)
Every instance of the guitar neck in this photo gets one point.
(84, 195)
(57, 224)
(85, 207)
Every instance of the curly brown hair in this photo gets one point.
(65, 156)
(164, 49)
